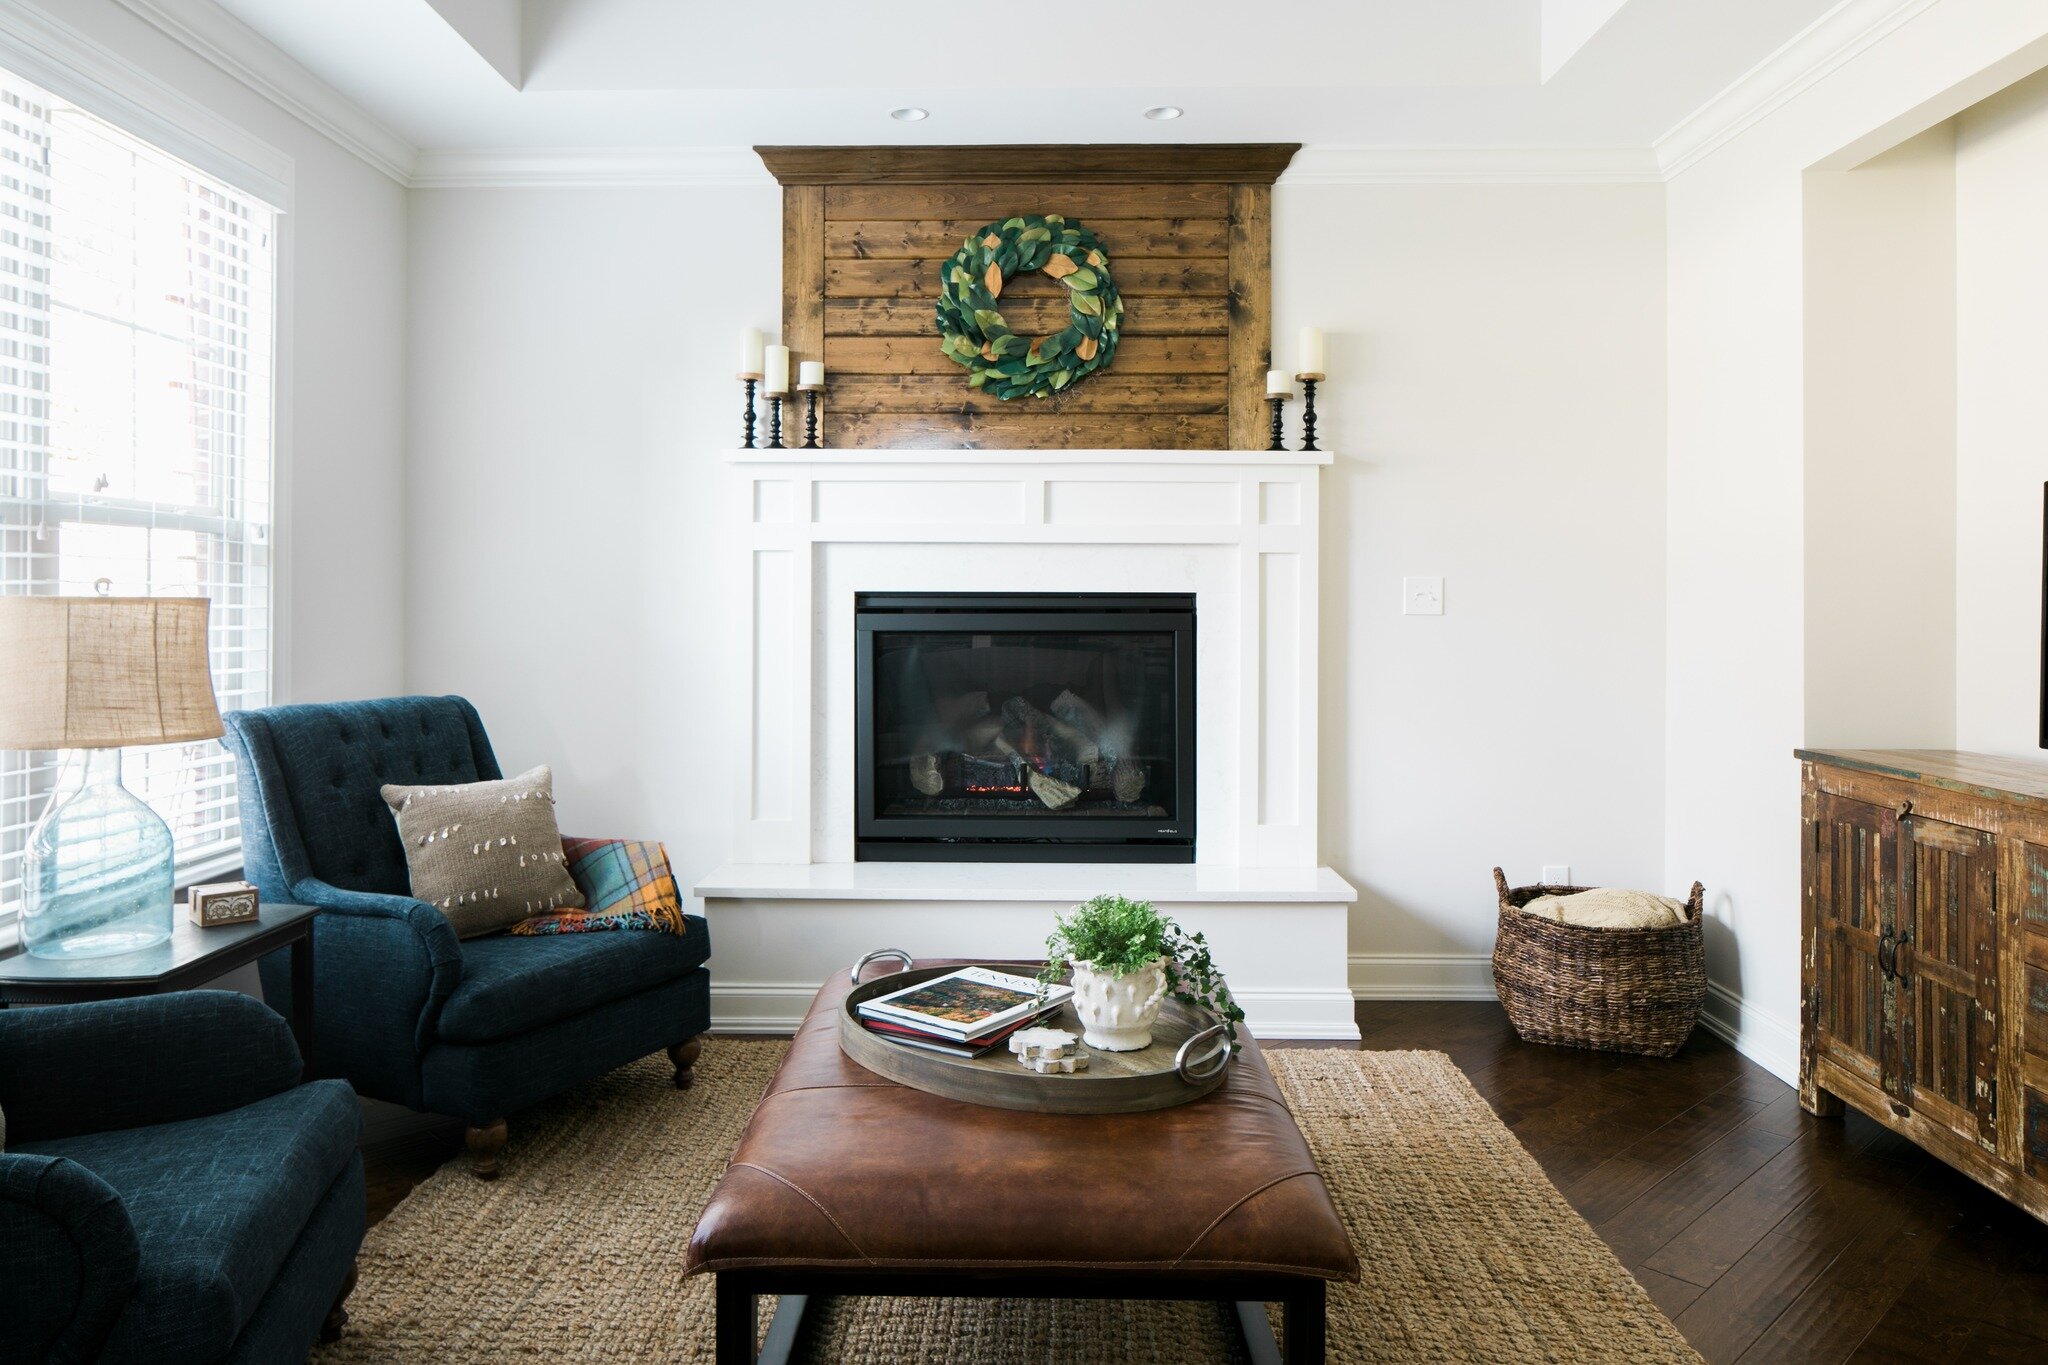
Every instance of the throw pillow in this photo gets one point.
(626, 884)
(486, 853)
(1609, 908)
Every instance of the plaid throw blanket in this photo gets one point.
(626, 884)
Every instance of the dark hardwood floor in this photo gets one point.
(1765, 1234)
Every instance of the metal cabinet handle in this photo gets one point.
(1905, 941)
(896, 953)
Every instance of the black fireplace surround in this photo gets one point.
(1025, 727)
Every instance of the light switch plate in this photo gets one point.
(1422, 596)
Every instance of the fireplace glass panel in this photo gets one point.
(1057, 723)
(1024, 723)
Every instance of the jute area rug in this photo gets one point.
(576, 1252)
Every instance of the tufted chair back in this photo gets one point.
(309, 778)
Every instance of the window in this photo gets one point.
(137, 307)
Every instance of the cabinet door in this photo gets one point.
(1855, 878)
(2027, 987)
(1947, 975)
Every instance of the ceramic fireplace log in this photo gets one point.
(926, 775)
(1078, 746)
(1051, 791)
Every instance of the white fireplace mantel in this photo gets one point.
(1238, 529)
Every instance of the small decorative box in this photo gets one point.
(221, 903)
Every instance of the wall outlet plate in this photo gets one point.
(1422, 595)
(1557, 874)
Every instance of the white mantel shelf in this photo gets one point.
(1063, 883)
(1159, 459)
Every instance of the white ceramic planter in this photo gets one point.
(1117, 1012)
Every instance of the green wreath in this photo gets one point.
(972, 332)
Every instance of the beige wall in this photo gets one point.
(2002, 415)
(1880, 490)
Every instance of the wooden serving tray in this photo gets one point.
(1114, 1083)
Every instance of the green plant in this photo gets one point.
(1006, 364)
(1117, 936)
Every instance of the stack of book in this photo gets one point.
(963, 1013)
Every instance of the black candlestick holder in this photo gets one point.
(810, 416)
(1308, 407)
(775, 421)
(749, 380)
(1277, 401)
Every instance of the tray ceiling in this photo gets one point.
(500, 74)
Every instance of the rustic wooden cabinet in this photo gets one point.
(1924, 964)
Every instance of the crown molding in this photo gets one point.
(610, 166)
(1810, 56)
(252, 59)
(589, 166)
(1472, 166)
(68, 63)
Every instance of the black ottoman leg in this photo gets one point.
(735, 1299)
(1302, 1325)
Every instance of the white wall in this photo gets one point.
(2001, 156)
(1497, 401)
(1880, 490)
(1499, 410)
(341, 380)
(572, 353)
(1735, 627)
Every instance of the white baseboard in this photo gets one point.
(770, 1007)
(1422, 976)
(1764, 1038)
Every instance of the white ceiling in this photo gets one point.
(626, 74)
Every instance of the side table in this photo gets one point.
(189, 958)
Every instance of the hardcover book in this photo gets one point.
(966, 1005)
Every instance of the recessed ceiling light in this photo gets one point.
(1164, 111)
(909, 114)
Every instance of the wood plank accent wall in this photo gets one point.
(1188, 231)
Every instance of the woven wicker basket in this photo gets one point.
(1617, 990)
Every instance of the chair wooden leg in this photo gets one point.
(485, 1142)
(685, 1055)
(337, 1316)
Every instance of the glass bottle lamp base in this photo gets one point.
(99, 867)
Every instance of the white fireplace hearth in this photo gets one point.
(813, 528)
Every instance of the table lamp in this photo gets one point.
(94, 674)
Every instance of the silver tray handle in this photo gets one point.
(1208, 1067)
(896, 953)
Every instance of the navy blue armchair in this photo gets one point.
(170, 1192)
(402, 1010)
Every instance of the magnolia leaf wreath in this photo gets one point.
(998, 360)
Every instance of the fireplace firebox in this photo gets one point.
(1025, 727)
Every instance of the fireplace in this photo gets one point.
(1023, 727)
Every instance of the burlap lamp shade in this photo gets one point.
(104, 672)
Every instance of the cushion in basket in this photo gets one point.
(487, 854)
(1609, 908)
(626, 883)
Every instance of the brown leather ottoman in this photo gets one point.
(846, 1183)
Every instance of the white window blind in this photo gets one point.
(137, 310)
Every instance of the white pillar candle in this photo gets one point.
(778, 371)
(1311, 358)
(811, 374)
(1278, 385)
(750, 351)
